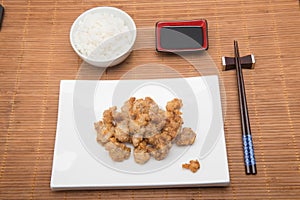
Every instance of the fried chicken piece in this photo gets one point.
(138, 120)
(141, 154)
(103, 133)
(117, 151)
(185, 137)
(160, 151)
(121, 126)
(174, 105)
(127, 107)
(150, 130)
(105, 129)
(174, 120)
(159, 139)
(159, 119)
(160, 146)
(156, 123)
(157, 135)
(136, 139)
(140, 112)
(140, 117)
(194, 165)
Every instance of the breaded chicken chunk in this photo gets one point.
(185, 137)
(141, 154)
(117, 151)
(105, 129)
(121, 126)
(174, 120)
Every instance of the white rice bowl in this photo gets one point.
(103, 36)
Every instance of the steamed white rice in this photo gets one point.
(102, 36)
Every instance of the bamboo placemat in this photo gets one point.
(35, 54)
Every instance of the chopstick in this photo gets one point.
(1, 15)
(249, 158)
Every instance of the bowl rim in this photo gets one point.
(92, 10)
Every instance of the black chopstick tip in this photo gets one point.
(1, 15)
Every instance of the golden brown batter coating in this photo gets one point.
(105, 129)
(160, 151)
(174, 120)
(117, 151)
(141, 154)
(121, 126)
(194, 165)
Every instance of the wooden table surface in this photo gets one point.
(35, 54)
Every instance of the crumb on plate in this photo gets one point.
(194, 165)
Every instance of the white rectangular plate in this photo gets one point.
(79, 162)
